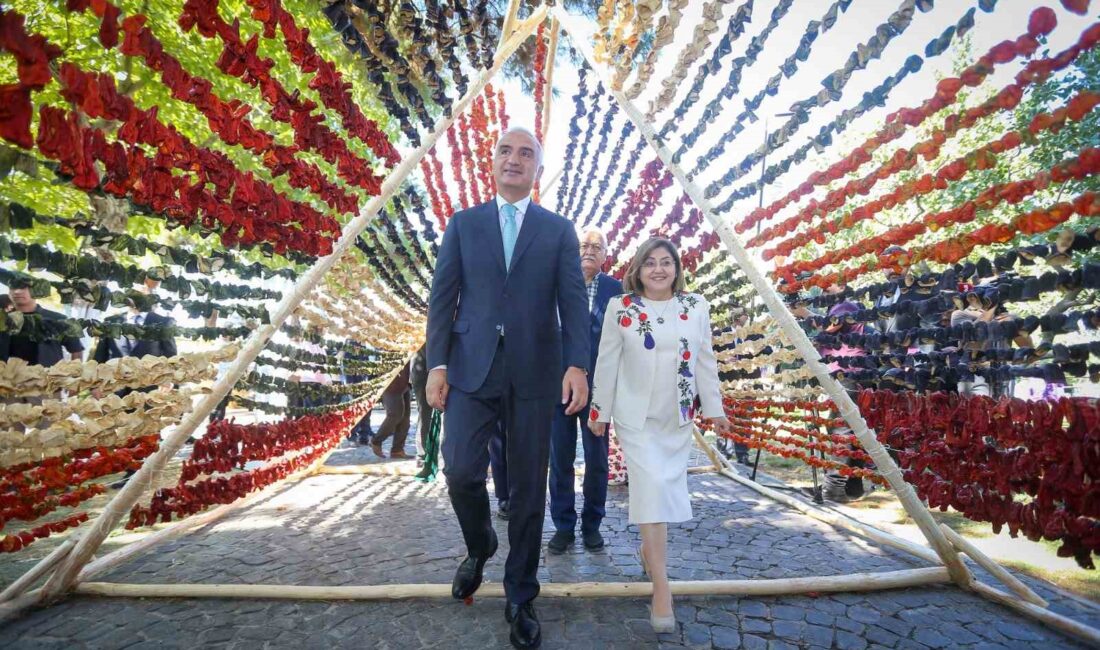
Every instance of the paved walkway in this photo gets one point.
(360, 530)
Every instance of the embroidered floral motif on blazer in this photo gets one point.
(625, 367)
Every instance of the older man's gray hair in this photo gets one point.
(595, 231)
(528, 133)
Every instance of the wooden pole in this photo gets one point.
(779, 586)
(1089, 635)
(552, 48)
(24, 582)
(66, 572)
(713, 455)
(1007, 579)
(551, 52)
(554, 179)
(377, 469)
(860, 582)
(508, 25)
(794, 334)
(11, 608)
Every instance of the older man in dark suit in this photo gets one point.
(506, 271)
(601, 288)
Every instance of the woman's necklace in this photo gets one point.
(661, 316)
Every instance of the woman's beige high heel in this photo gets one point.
(660, 624)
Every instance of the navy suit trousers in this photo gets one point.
(472, 420)
(498, 460)
(563, 451)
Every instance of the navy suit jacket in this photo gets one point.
(50, 351)
(606, 289)
(474, 298)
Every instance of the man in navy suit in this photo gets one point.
(506, 272)
(46, 352)
(159, 343)
(601, 288)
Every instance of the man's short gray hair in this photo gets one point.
(529, 133)
(591, 230)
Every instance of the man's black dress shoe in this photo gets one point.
(526, 632)
(469, 574)
(593, 540)
(502, 510)
(561, 541)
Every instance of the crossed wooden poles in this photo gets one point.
(69, 567)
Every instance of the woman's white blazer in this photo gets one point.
(626, 365)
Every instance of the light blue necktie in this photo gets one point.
(509, 232)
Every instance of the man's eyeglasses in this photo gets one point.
(595, 248)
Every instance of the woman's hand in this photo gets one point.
(721, 425)
(597, 428)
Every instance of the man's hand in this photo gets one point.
(437, 389)
(597, 428)
(574, 390)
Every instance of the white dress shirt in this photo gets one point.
(126, 344)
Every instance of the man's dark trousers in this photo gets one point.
(398, 409)
(498, 460)
(563, 451)
(466, 463)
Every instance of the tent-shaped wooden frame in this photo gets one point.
(70, 567)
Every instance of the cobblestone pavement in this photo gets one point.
(363, 530)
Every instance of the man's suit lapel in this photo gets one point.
(143, 347)
(599, 306)
(604, 291)
(531, 222)
(489, 225)
(595, 314)
(113, 350)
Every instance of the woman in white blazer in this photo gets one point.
(656, 357)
